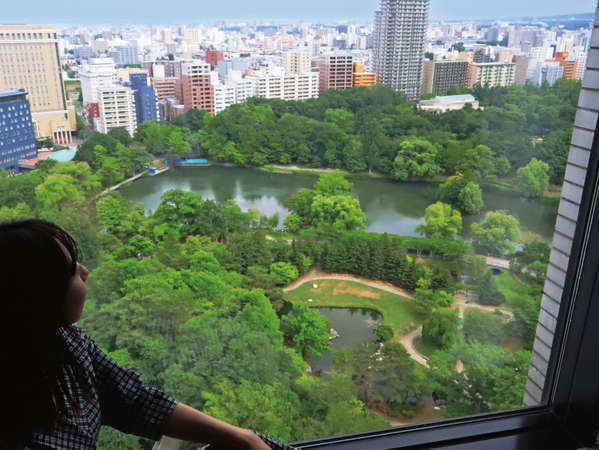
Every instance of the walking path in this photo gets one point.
(128, 180)
(317, 274)
(461, 303)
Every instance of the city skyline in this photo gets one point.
(153, 12)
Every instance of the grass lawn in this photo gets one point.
(398, 312)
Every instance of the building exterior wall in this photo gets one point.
(166, 87)
(198, 92)
(336, 72)
(214, 56)
(146, 107)
(224, 96)
(492, 74)
(29, 59)
(399, 44)
(441, 76)
(117, 109)
(17, 140)
(297, 62)
(288, 87)
(98, 73)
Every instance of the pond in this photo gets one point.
(391, 207)
(354, 325)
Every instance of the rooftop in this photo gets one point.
(12, 92)
(467, 98)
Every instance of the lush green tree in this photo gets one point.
(120, 134)
(484, 327)
(440, 330)
(177, 143)
(442, 221)
(270, 408)
(488, 293)
(333, 183)
(342, 212)
(57, 191)
(497, 233)
(491, 379)
(533, 180)
(463, 194)
(308, 330)
(283, 272)
(384, 332)
(416, 157)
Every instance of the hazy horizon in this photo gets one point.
(152, 12)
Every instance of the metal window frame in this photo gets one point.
(569, 416)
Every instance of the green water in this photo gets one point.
(389, 206)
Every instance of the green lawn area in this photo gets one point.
(398, 312)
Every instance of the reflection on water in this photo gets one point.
(390, 207)
(354, 325)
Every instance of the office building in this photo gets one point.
(399, 44)
(297, 62)
(550, 72)
(570, 65)
(116, 108)
(17, 140)
(197, 86)
(441, 76)
(522, 63)
(127, 55)
(214, 56)
(492, 74)
(362, 78)
(167, 87)
(96, 74)
(29, 59)
(336, 72)
(146, 107)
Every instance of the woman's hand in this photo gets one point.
(246, 440)
(190, 424)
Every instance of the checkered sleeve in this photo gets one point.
(126, 403)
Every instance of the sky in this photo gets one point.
(204, 11)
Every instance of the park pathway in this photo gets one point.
(317, 274)
(461, 303)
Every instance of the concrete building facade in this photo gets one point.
(97, 73)
(297, 62)
(116, 105)
(492, 74)
(197, 86)
(362, 78)
(146, 107)
(29, 59)
(441, 76)
(17, 140)
(399, 44)
(336, 72)
(301, 86)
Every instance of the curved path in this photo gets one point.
(461, 303)
(316, 274)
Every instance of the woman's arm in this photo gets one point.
(190, 424)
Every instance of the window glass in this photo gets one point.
(313, 220)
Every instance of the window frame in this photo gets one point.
(568, 417)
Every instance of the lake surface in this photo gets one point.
(354, 325)
(391, 207)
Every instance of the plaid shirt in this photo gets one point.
(118, 398)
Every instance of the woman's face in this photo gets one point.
(76, 295)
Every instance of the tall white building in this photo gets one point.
(224, 96)
(399, 44)
(297, 62)
(245, 89)
(98, 73)
(116, 106)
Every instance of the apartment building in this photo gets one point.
(399, 44)
(441, 76)
(336, 72)
(97, 73)
(297, 62)
(492, 74)
(197, 86)
(116, 108)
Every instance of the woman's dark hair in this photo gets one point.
(38, 261)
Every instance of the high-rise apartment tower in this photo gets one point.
(399, 44)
